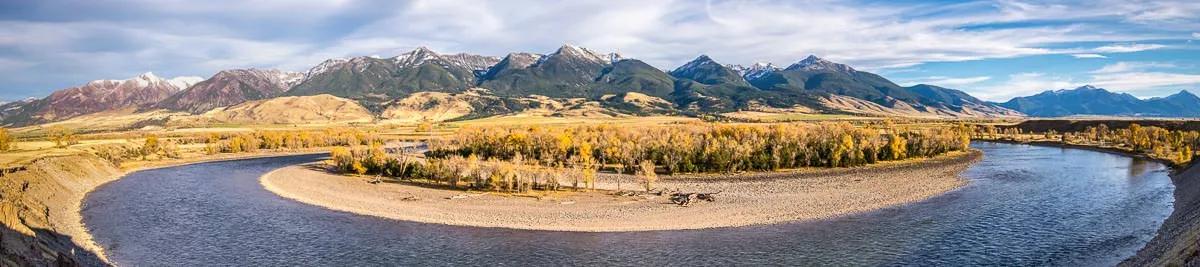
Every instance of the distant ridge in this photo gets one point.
(1090, 100)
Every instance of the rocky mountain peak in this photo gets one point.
(572, 51)
(522, 60)
(148, 76)
(1081, 89)
(699, 62)
(1184, 94)
(183, 82)
(415, 57)
(814, 63)
(146, 79)
(755, 71)
(474, 62)
(326, 65)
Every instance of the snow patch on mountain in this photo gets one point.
(587, 54)
(325, 66)
(755, 71)
(416, 57)
(814, 63)
(183, 82)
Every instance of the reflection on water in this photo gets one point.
(1025, 205)
(1138, 167)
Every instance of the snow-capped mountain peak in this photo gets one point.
(755, 71)
(700, 61)
(580, 52)
(148, 76)
(415, 57)
(473, 62)
(148, 79)
(814, 63)
(183, 82)
(325, 66)
(290, 78)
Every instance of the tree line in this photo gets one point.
(154, 146)
(460, 172)
(518, 159)
(707, 147)
(1175, 146)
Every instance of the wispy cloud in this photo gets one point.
(1127, 48)
(1088, 56)
(1139, 76)
(1130, 66)
(948, 81)
(1137, 81)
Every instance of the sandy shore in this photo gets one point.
(750, 199)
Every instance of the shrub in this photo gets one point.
(646, 172)
(6, 140)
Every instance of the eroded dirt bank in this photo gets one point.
(763, 198)
(39, 207)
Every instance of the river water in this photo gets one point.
(1024, 205)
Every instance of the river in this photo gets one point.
(1024, 205)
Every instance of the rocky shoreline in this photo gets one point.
(1177, 239)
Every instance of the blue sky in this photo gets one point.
(992, 49)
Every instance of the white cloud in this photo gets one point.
(1196, 35)
(1131, 66)
(1157, 12)
(1138, 76)
(1135, 81)
(669, 33)
(1023, 84)
(1088, 56)
(1127, 48)
(949, 81)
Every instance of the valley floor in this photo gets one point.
(744, 199)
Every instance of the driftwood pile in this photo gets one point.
(685, 199)
(677, 197)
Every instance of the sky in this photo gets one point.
(994, 50)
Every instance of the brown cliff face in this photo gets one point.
(232, 87)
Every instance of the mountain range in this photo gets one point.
(1089, 100)
(570, 80)
(145, 90)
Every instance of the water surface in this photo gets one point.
(1024, 205)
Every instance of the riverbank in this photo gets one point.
(744, 199)
(41, 204)
(1177, 242)
(1102, 149)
